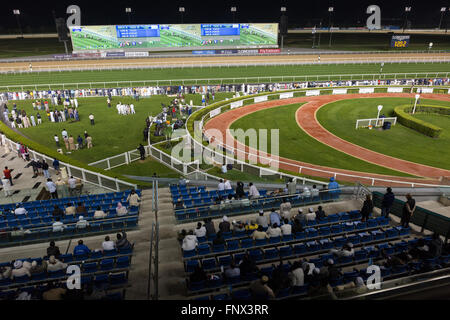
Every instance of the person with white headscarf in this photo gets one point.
(311, 215)
(20, 269)
(225, 226)
(306, 193)
(121, 210)
(346, 251)
(81, 223)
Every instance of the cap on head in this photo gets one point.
(311, 210)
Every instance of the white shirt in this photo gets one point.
(81, 224)
(64, 133)
(310, 216)
(91, 117)
(58, 226)
(72, 183)
(253, 191)
(297, 277)
(200, 232)
(51, 187)
(20, 211)
(221, 186)
(286, 229)
(224, 169)
(274, 232)
(314, 192)
(56, 139)
(108, 245)
(227, 185)
(189, 243)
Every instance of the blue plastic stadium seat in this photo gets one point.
(209, 264)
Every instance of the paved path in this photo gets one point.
(307, 120)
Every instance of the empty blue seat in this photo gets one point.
(106, 264)
(256, 255)
(232, 245)
(218, 248)
(203, 249)
(123, 262)
(271, 253)
(274, 239)
(209, 264)
(224, 261)
(189, 253)
(90, 267)
(191, 265)
(300, 249)
(246, 243)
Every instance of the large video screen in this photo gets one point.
(175, 36)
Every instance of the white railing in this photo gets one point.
(230, 81)
(219, 63)
(378, 122)
(261, 170)
(87, 176)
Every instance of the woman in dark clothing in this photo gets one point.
(240, 190)
(367, 208)
(297, 227)
(198, 275)
(408, 210)
(57, 212)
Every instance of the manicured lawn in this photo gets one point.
(73, 77)
(31, 47)
(401, 142)
(112, 133)
(236, 175)
(296, 144)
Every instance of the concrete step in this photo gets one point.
(166, 220)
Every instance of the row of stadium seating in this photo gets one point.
(284, 251)
(97, 264)
(309, 235)
(300, 291)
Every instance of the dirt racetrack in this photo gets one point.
(306, 118)
(221, 60)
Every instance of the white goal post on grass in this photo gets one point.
(374, 122)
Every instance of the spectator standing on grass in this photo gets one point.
(387, 202)
(89, 142)
(91, 117)
(141, 150)
(56, 140)
(71, 143)
(80, 142)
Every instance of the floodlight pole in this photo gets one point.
(330, 23)
(181, 10)
(17, 14)
(443, 9)
(283, 10)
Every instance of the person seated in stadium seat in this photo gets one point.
(346, 251)
(219, 239)
(179, 205)
(274, 231)
(53, 250)
(221, 185)
(121, 210)
(81, 209)
(200, 231)
(247, 265)
(81, 223)
(306, 193)
(311, 215)
(20, 269)
(300, 217)
(70, 209)
(251, 226)
(238, 226)
(320, 213)
(253, 191)
(55, 265)
(108, 244)
(57, 212)
(296, 275)
(198, 275)
(122, 242)
(232, 271)
(227, 185)
(210, 228)
(274, 217)
(38, 268)
(58, 226)
(225, 226)
(133, 199)
(261, 220)
(99, 213)
(259, 234)
(190, 242)
(240, 190)
(314, 192)
(20, 210)
(5, 272)
(286, 228)
(297, 226)
(260, 289)
(81, 248)
(285, 209)
(181, 235)
(279, 279)
(436, 245)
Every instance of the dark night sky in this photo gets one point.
(37, 16)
